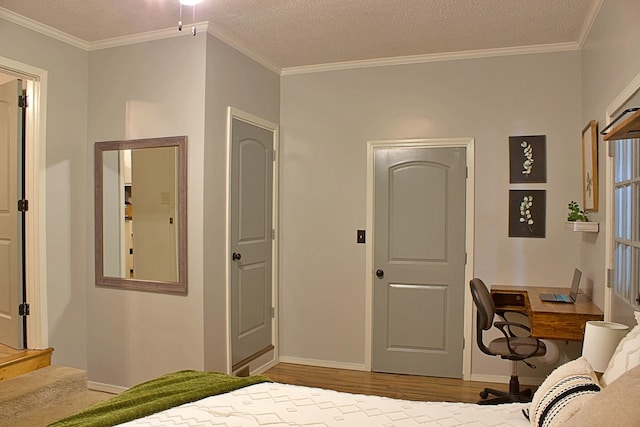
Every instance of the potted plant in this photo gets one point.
(575, 213)
(578, 220)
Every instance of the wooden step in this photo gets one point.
(14, 363)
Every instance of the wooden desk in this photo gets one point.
(550, 320)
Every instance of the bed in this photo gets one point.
(275, 404)
(192, 398)
(572, 395)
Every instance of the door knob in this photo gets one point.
(236, 256)
(380, 273)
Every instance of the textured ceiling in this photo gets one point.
(294, 33)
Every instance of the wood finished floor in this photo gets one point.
(7, 352)
(14, 362)
(408, 387)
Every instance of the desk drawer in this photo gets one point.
(507, 299)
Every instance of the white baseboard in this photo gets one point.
(323, 363)
(265, 367)
(107, 388)
(498, 379)
(113, 389)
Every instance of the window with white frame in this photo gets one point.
(626, 219)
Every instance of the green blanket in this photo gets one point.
(157, 395)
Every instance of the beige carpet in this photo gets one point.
(44, 396)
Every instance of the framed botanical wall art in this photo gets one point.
(528, 159)
(527, 213)
(590, 166)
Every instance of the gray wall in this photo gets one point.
(177, 86)
(327, 119)
(233, 80)
(610, 61)
(147, 90)
(68, 245)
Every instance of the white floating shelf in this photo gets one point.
(591, 227)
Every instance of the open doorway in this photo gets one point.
(33, 332)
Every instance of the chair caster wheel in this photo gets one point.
(484, 394)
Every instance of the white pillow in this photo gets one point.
(563, 393)
(625, 357)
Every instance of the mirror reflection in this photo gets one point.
(141, 214)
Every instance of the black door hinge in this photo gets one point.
(23, 309)
(22, 101)
(23, 205)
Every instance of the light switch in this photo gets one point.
(164, 198)
(361, 236)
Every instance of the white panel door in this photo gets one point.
(419, 261)
(251, 241)
(11, 290)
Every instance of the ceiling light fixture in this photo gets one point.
(191, 3)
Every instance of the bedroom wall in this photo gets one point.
(67, 249)
(173, 86)
(146, 90)
(610, 61)
(327, 119)
(235, 80)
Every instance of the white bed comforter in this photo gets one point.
(275, 404)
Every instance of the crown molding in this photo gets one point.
(243, 48)
(438, 57)
(347, 65)
(42, 29)
(100, 44)
(201, 27)
(588, 23)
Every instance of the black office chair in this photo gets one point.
(510, 347)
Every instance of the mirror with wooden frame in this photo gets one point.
(141, 214)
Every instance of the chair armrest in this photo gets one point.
(508, 325)
(502, 325)
(501, 311)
